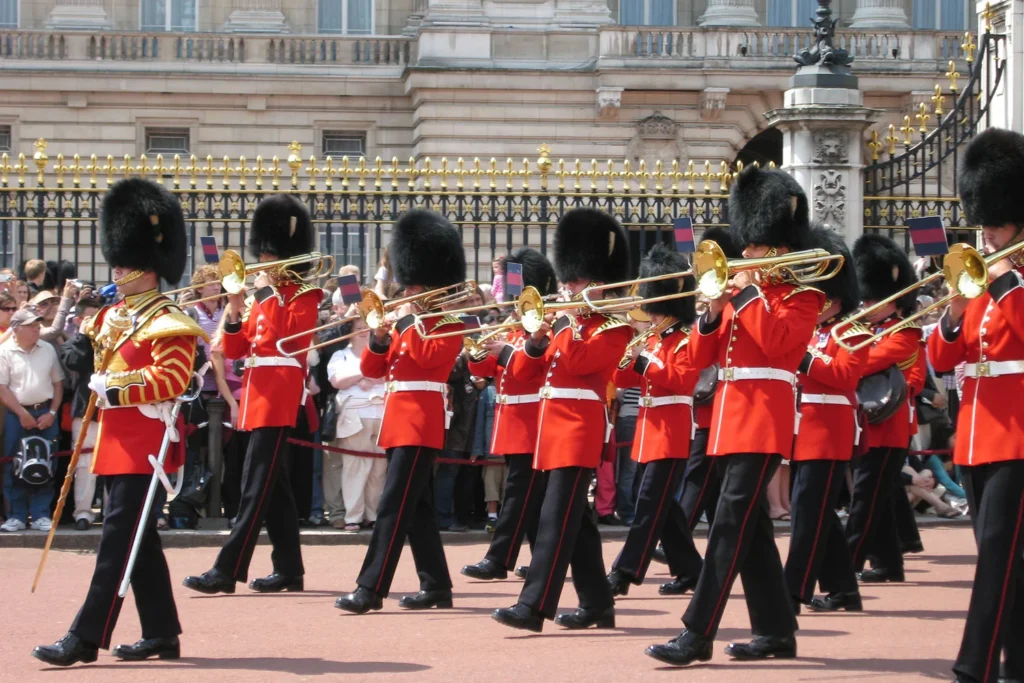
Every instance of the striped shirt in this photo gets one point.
(630, 403)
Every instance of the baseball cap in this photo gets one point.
(42, 297)
(25, 316)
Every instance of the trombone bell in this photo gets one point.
(232, 271)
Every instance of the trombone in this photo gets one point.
(641, 339)
(964, 268)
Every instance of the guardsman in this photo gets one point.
(576, 362)
(515, 431)
(824, 445)
(757, 331)
(662, 368)
(883, 269)
(272, 390)
(988, 334)
(426, 253)
(142, 234)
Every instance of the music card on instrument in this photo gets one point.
(471, 322)
(513, 280)
(928, 235)
(210, 253)
(351, 293)
(683, 229)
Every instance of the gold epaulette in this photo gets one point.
(609, 324)
(90, 326)
(304, 289)
(684, 342)
(173, 322)
(854, 330)
(804, 288)
(447, 320)
(249, 302)
(908, 363)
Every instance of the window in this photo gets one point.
(337, 143)
(5, 138)
(167, 141)
(942, 15)
(8, 13)
(647, 12)
(168, 15)
(345, 17)
(349, 244)
(799, 13)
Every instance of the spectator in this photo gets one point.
(61, 309)
(20, 293)
(206, 283)
(31, 386)
(359, 407)
(384, 286)
(48, 305)
(35, 275)
(493, 475)
(7, 280)
(463, 393)
(498, 283)
(7, 309)
(625, 430)
(228, 377)
(350, 270)
(77, 356)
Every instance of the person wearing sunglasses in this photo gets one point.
(7, 309)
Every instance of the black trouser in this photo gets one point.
(234, 463)
(995, 618)
(520, 511)
(406, 510)
(659, 515)
(871, 527)
(701, 484)
(151, 580)
(266, 497)
(903, 512)
(742, 541)
(817, 545)
(567, 534)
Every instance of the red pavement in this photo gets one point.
(911, 632)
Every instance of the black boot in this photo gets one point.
(677, 586)
(211, 582)
(833, 602)
(360, 601)
(619, 582)
(275, 583)
(585, 617)
(763, 647)
(164, 648)
(882, 576)
(686, 648)
(521, 571)
(520, 616)
(912, 547)
(485, 570)
(426, 599)
(659, 555)
(67, 651)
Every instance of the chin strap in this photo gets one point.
(130, 277)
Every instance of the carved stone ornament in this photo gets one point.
(609, 102)
(830, 199)
(830, 146)
(712, 103)
(823, 51)
(657, 127)
(656, 139)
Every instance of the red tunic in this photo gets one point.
(154, 365)
(990, 427)
(761, 330)
(271, 394)
(572, 431)
(414, 414)
(827, 431)
(663, 370)
(517, 403)
(900, 349)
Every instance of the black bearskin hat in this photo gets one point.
(883, 269)
(768, 207)
(537, 270)
(142, 228)
(843, 288)
(426, 250)
(280, 227)
(661, 260)
(724, 238)
(992, 165)
(591, 245)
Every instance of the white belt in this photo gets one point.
(514, 400)
(577, 394)
(994, 368)
(737, 374)
(393, 387)
(272, 361)
(825, 399)
(657, 401)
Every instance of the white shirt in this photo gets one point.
(30, 375)
(366, 404)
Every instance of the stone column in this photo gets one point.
(256, 16)
(880, 14)
(729, 13)
(78, 14)
(1007, 107)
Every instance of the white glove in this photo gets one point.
(98, 384)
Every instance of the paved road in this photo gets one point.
(910, 632)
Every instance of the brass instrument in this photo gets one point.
(642, 338)
(474, 347)
(373, 311)
(964, 269)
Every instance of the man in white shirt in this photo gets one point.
(31, 387)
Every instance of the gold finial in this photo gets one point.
(891, 140)
(968, 46)
(952, 75)
(875, 146)
(907, 130)
(5, 168)
(544, 161)
(937, 99)
(922, 117)
(986, 15)
(295, 161)
(40, 157)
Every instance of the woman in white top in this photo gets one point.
(360, 407)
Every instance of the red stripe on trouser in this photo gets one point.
(993, 652)
(107, 626)
(817, 532)
(561, 538)
(522, 517)
(398, 520)
(700, 496)
(661, 504)
(253, 524)
(720, 605)
(871, 513)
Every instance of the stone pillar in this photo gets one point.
(880, 14)
(78, 14)
(729, 13)
(256, 16)
(582, 13)
(1007, 107)
(454, 13)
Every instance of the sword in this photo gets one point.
(159, 477)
